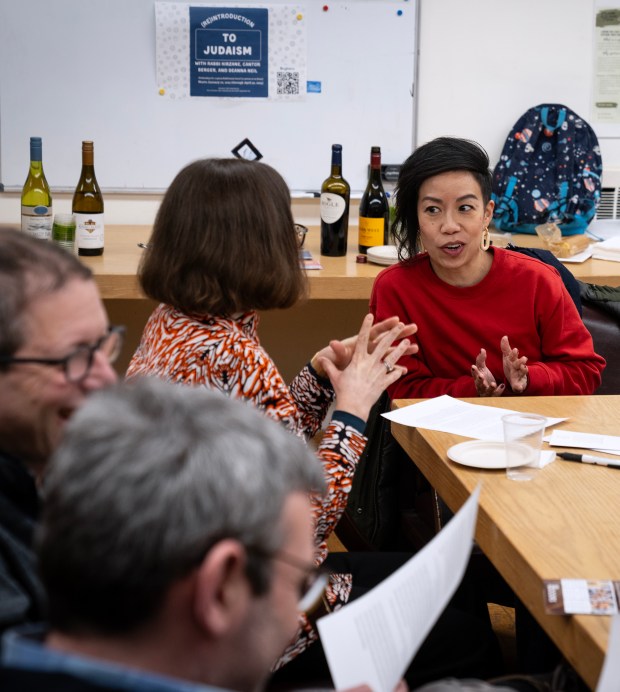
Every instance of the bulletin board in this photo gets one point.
(86, 69)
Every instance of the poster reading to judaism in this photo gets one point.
(231, 51)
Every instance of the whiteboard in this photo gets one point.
(85, 69)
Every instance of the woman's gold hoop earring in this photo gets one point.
(485, 241)
(420, 244)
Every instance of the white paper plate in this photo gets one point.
(383, 254)
(486, 455)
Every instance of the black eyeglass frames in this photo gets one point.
(77, 364)
(312, 590)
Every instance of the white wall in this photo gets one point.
(482, 63)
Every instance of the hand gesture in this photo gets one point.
(483, 377)
(515, 368)
(372, 368)
(340, 351)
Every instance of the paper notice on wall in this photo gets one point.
(230, 51)
(606, 96)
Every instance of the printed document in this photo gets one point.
(446, 414)
(373, 639)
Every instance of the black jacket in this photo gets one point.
(21, 593)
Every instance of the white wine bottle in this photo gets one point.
(374, 212)
(335, 193)
(88, 207)
(37, 212)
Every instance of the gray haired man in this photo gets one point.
(175, 544)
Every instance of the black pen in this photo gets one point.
(585, 459)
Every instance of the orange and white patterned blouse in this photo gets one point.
(225, 354)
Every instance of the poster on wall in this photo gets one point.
(606, 91)
(234, 52)
(229, 52)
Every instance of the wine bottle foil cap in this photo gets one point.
(361, 259)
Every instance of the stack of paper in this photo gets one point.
(610, 444)
(607, 250)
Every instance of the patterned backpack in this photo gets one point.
(549, 171)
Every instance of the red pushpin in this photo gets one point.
(325, 8)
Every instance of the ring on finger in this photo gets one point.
(388, 366)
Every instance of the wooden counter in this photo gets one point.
(115, 271)
(340, 278)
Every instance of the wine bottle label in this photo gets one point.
(371, 231)
(332, 207)
(89, 231)
(37, 221)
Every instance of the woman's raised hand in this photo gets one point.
(483, 377)
(371, 368)
(515, 372)
(515, 367)
(340, 351)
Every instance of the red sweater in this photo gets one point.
(520, 297)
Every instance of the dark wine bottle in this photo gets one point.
(88, 207)
(335, 193)
(36, 197)
(374, 208)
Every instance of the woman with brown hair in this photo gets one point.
(223, 247)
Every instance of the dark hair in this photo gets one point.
(224, 241)
(131, 508)
(440, 155)
(29, 267)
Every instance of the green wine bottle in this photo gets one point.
(335, 193)
(88, 207)
(36, 197)
(374, 214)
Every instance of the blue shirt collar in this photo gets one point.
(23, 648)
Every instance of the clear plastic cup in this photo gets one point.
(523, 434)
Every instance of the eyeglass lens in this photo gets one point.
(79, 363)
(301, 231)
(314, 588)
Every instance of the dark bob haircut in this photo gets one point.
(224, 241)
(440, 155)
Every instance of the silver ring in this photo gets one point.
(388, 366)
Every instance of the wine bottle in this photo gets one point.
(88, 207)
(36, 196)
(335, 193)
(374, 208)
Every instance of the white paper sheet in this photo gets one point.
(609, 249)
(581, 440)
(446, 414)
(610, 675)
(373, 639)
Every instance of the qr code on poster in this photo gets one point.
(288, 82)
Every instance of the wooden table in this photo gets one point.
(115, 271)
(341, 277)
(565, 523)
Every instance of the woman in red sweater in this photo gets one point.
(491, 322)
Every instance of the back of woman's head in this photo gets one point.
(224, 241)
(440, 155)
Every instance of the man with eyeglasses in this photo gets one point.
(56, 347)
(176, 547)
